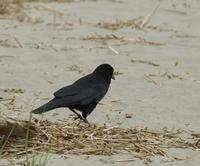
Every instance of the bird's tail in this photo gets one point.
(46, 107)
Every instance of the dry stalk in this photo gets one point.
(145, 62)
(74, 138)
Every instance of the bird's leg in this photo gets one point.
(79, 116)
(86, 121)
(85, 118)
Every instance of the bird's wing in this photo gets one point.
(70, 90)
(74, 88)
(72, 95)
(92, 94)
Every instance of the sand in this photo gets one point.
(47, 51)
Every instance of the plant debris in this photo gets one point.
(161, 29)
(113, 50)
(69, 1)
(79, 138)
(13, 90)
(145, 62)
(149, 79)
(10, 7)
(139, 22)
(9, 103)
(141, 40)
(138, 40)
(168, 75)
(75, 68)
(128, 115)
(176, 11)
(12, 43)
(16, 9)
(101, 37)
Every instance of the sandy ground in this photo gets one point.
(48, 52)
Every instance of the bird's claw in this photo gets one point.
(81, 118)
(86, 121)
(75, 118)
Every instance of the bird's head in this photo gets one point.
(106, 71)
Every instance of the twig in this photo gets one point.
(113, 50)
(125, 160)
(145, 62)
(149, 17)
(20, 45)
(150, 79)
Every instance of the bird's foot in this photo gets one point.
(76, 117)
(86, 121)
(81, 118)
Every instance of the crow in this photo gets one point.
(83, 95)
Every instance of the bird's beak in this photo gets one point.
(113, 77)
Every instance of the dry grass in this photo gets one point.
(139, 22)
(145, 62)
(101, 37)
(14, 9)
(79, 138)
(53, 0)
(8, 7)
(169, 76)
(107, 37)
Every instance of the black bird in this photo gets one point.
(84, 94)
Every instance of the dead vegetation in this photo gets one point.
(13, 10)
(107, 37)
(75, 68)
(10, 7)
(79, 138)
(8, 103)
(11, 43)
(53, 0)
(101, 37)
(169, 76)
(145, 62)
(166, 75)
(139, 22)
(12, 90)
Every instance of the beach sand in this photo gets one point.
(157, 64)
